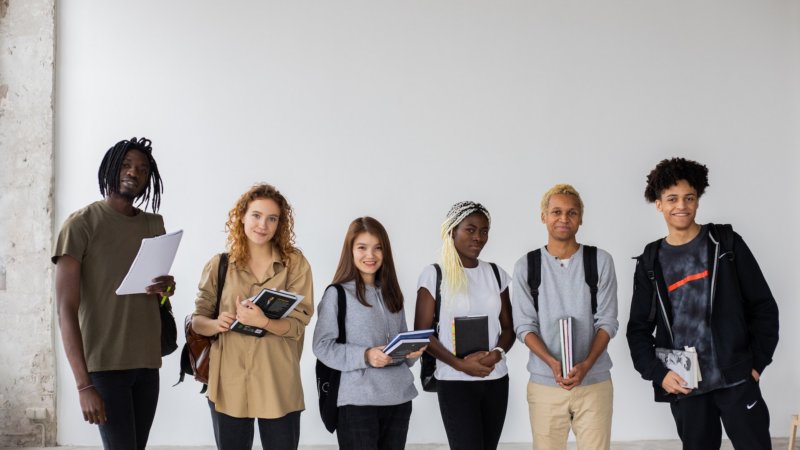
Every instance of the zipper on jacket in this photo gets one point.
(666, 319)
(711, 313)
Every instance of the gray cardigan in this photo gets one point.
(366, 327)
(564, 293)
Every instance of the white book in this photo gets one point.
(565, 333)
(682, 362)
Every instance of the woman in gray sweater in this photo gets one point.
(374, 394)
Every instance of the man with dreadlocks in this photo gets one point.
(113, 343)
(473, 391)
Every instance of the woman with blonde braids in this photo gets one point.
(473, 391)
(256, 377)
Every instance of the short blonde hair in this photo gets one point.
(560, 189)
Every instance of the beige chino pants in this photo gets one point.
(587, 408)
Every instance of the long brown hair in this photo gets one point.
(386, 275)
(284, 235)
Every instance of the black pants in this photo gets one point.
(741, 409)
(473, 412)
(130, 397)
(234, 433)
(373, 427)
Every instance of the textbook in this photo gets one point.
(275, 304)
(683, 362)
(405, 343)
(565, 333)
(470, 335)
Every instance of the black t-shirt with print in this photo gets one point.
(686, 273)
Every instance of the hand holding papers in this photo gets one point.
(154, 260)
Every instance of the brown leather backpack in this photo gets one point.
(197, 350)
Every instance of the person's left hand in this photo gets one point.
(491, 359)
(250, 314)
(575, 376)
(416, 354)
(161, 285)
(756, 376)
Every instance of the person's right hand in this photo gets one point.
(93, 407)
(471, 365)
(674, 384)
(555, 366)
(376, 358)
(224, 321)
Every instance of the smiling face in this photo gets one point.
(563, 217)
(679, 205)
(133, 174)
(471, 235)
(261, 221)
(367, 255)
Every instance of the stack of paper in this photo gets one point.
(565, 330)
(682, 362)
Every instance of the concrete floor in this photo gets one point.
(777, 444)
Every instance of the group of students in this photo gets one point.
(700, 286)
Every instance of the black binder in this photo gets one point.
(471, 335)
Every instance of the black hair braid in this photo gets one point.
(108, 174)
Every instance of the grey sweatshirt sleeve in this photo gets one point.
(606, 317)
(526, 319)
(343, 357)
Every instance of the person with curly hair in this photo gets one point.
(113, 342)
(702, 287)
(256, 377)
(473, 389)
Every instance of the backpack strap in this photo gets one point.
(437, 305)
(222, 273)
(496, 274)
(535, 275)
(650, 255)
(342, 302)
(590, 273)
(725, 234)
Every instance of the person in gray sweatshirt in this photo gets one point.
(374, 393)
(583, 397)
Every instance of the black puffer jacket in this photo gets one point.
(744, 315)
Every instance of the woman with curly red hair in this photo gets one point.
(256, 377)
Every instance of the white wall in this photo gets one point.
(399, 110)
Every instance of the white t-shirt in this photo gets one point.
(484, 299)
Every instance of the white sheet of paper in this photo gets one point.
(154, 260)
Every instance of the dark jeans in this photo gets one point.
(373, 427)
(130, 397)
(234, 433)
(473, 412)
(741, 409)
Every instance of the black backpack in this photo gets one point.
(426, 373)
(327, 378)
(725, 234)
(589, 270)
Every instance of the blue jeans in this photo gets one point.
(130, 397)
(235, 433)
(373, 427)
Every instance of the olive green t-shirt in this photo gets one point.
(119, 331)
